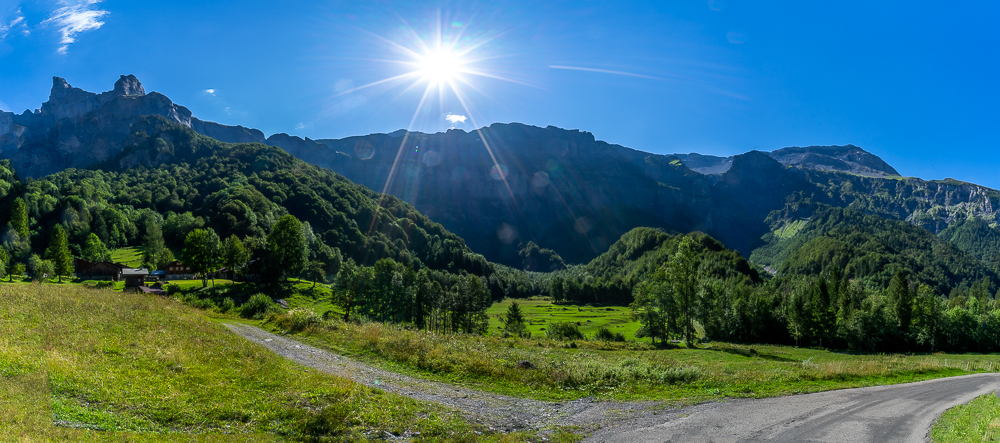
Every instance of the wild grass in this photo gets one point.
(80, 364)
(977, 421)
(629, 370)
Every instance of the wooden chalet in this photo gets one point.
(176, 270)
(102, 270)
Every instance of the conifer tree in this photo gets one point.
(58, 252)
(153, 255)
(94, 250)
(902, 300)
(513, 321)
(19, 218)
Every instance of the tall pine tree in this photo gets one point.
(59, 253)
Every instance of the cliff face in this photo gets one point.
(561, 189)
(76, 128)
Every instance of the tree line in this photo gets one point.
(826, 310)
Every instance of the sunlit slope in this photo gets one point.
(74, 361)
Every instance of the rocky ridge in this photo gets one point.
(76, 128)
(563, 189)
(847, 158)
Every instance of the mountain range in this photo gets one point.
(504, 185)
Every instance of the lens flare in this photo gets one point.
(440, 66)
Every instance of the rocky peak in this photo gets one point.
(65, 101)
(847, 158)
(128, 85)
(753, 166)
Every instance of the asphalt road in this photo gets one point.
(898, 413)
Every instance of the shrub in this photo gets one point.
(107, 284)
(201, 303)
(564, 331)
(257, 307)
(303, 318)
(605, 334)
(173, 289)
(227, 305)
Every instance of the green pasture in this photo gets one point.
(540, 312)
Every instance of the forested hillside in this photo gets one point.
(173, 178)
(612, 276)
(976, 237)
(871, 249)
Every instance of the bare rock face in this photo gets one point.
(847, 158)
(76, 128)
(128, 85)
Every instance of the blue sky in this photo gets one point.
(914, 82)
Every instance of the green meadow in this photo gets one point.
(541, 312)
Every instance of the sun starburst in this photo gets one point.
(445, 62)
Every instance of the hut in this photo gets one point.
(134, 277)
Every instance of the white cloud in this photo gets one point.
(75, 18)
(6, 27)
(300, 126)
(210, 91)
(455, 118)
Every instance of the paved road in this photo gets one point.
(898, 413)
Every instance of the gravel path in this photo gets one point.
(498, 412)
(897, 413)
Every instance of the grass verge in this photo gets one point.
(979, 420)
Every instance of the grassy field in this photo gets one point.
(630, 370)
(540, 312)
(131, 256)
(80, 364)
(978, 421)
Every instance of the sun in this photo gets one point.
(440, 66)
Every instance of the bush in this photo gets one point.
(202, 303)
(257, 307)
(605, 334)
(303, 318)
(227, 305)
(173, 289)
(564, 331)
(107, 284)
